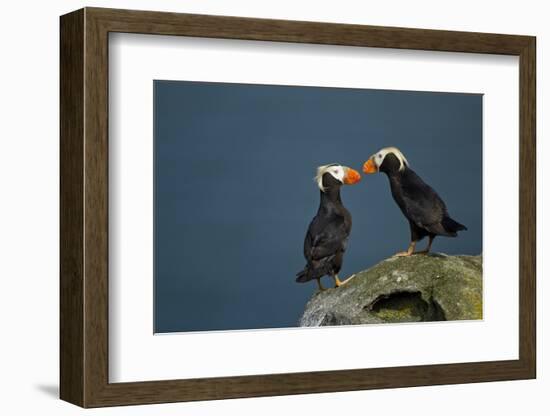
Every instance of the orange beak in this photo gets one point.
(352, 176)
(370, 167)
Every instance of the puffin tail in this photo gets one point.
(452, 226)
(303, 276)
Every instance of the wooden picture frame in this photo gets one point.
(84, 207)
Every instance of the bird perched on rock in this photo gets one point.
(328, 232)
(420, 204)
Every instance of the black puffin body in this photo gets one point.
(419, 203)
(328, 233)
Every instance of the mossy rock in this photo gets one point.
(434, 287)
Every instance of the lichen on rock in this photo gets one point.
(434, 287)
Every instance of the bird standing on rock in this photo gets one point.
(328, 232)
(420, 204)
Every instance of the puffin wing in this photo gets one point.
(322, 243)
(325, 242)
(426, 215)
(423, 206)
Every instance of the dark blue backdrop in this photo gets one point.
(234, 192)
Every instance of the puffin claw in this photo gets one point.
(343, 282)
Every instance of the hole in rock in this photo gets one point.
(406, 306)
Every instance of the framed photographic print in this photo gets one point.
(255, 207)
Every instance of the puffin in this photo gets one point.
(419, 203)
(328, 232)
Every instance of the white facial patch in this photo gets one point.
(337, 171)
(379, 157)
